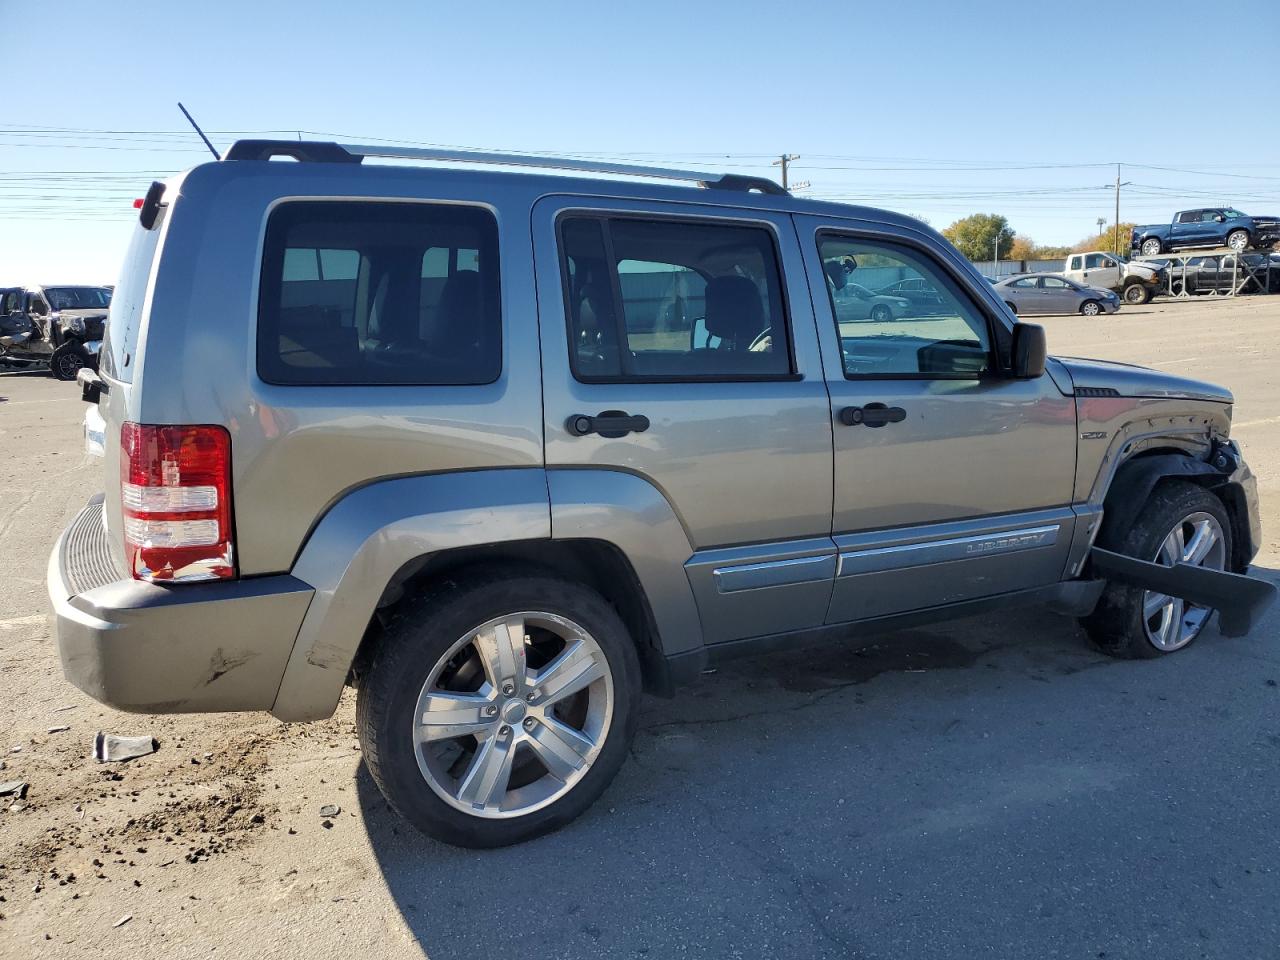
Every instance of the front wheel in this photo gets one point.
(1151, 248)
(1181, 523)
(1137, 294)
(498, 708)
(1238, 240)
(1091, 308)
(67, 361)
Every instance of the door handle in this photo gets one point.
(872, 415)
(608, 423)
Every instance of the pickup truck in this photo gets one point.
(1137, 283)
(1206, 227)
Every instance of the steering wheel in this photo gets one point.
(762, 342)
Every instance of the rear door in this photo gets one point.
(697, 319)
(1187, 228)
(953, 481)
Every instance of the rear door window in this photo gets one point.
(673, 300)
(361, 293)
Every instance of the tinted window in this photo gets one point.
(1075, 264)
(893, 336)
(379, 293)
(1190, 216)
(673, 300)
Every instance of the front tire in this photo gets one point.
(1180, 523)
(1136, 294)
(1090, 308)
(67, 361)
(499, 707)
(1238, 240)
(1152, 248)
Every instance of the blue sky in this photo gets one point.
(938, 109)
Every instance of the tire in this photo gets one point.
(432, 640)
(1012, 308)
(1238, 240)
(67, 361)
(1118, 625)
(1136, 294)
(1090, 308)
(1152, 247)
(881, 314)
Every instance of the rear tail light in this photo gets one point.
(175, 488)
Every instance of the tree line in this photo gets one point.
(984, 235)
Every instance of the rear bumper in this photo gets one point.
(147, 648)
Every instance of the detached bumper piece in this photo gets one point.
(1240, 600)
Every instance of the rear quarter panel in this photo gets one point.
(296, 450)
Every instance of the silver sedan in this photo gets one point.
(1046, 293)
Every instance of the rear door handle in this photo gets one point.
(872, 415)
(607, 423)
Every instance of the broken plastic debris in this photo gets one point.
(330, 810)
(16, 788)
(123, 920)
(108, 748)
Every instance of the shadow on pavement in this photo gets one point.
(983, 785)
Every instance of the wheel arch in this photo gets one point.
(612, 529)
(597, 564)
(1136, 479)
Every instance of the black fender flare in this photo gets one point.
(1136, 478)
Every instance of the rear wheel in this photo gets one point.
(499, 708)
(880, 313)
(1151, 248)
(1091, 308)
(1137, 294)
(1238, 240)
(1181, 523)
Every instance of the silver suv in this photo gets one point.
(505, 449)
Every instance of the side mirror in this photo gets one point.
(1029, 351)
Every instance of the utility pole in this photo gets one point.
(995, 254)
(1115, 234)
(782, 161)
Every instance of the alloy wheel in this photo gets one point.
(514, 715)
(1172, 623)
(1090, 309)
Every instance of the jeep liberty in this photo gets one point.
(503, 449)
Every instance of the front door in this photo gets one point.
(953, 481)
(1059, 296)
(1101, 271)
(698, 320)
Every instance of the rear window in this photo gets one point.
(120, 343)
(379, 293)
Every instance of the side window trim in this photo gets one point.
(950, 282)
(603, 217)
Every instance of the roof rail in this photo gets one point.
(314, 151)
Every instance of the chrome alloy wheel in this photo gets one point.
(513, 715)
(1172, 623)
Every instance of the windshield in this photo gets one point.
(1232, 213)
(78, 298)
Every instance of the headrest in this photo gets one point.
(734, 310)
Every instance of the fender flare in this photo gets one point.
(366, 537)
(1136, 478)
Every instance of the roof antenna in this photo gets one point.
(191, 120)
